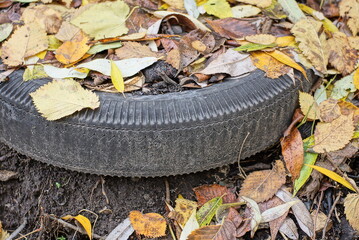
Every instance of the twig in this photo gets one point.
(28, 234)
(242, 172)
(168, 194)
(103, 190)
(18, 230)
(68, 225)
(316, 213)
(330, 213)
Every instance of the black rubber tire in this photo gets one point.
(148, 136)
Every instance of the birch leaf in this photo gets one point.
(73, 50)
(208, 210)
(343, 87)
(116, 78)
(351, 204)
(308, 106)
(350, 8)
(150, 225)
(109, 23)
(61, 98)
(314, 47)
(218, 8)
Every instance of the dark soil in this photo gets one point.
(40, 189)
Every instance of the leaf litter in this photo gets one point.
(71, 44)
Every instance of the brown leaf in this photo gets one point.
(174, 58)
(321, 221)
(6, 175)
(233, 28)
(334, 135)
(150, 225)
(205, 193)
(347, 108)
(340, 155)
(271, 66)
(354, 42)
(275, 224)
(227, 231)
(262, 185)
(264, 39)
(134, 50)
(329, 110)
(351, 204)
(293, 152)
(341, 55)
(350, 9)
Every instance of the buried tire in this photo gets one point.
(157, 135)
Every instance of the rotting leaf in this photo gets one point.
(61, 98)
(204, 193)
(206, 213)
(183, 210)
(262, 185)
(150, 225)
(233, 28)
(351, 204)
(84, 221)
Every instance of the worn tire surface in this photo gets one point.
(147, 136)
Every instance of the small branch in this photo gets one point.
(18, 230)
(316, 213)
(168, 193)
(330, 214)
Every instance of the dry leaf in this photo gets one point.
(71, 51)
(176, 4)
(321, 220)
(6, 175)
(356, 78)
(289, 229)
(354, 42)
(174, 58)
(341, 55)
(258, 3)
(26, 41)
(61, 98)
(214, 232)
(351, 204)
(262, 185)
(67, 31)
(190, 226)
(84, 221)
(350, 9)
(150, 225)
(233, 28)
(204, 193)
(183, 210)
(314, 47)
(117, 78)
(218, 8)
(271, 66)
(243, 11)
(334, 135)
(134, 50)
(293, 152)
(264, 39)
(309, 106)
(347, 152)
(3, 234)
(329, 110)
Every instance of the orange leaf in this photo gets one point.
(84, 221)
(269, 64)
(205, 193)
(150, 225)
(293, 152)
(73, 50)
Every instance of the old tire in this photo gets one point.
(160, 135)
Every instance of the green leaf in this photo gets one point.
(218, 8)
(343, 87)
(208, 210)
(254, 47)
(334, 176)
(101, 47)
(291, 8)
(309, 158)
(116, 77)
(34, 72)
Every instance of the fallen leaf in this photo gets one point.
(309, 106)
(321, 220)
(183, 211)
(285, 41)
(233, 28)
(71, 51)
(250, 47)
(258, 3)
(329, 110)
(67, 31)
(26, 41)
(174, 58)
(356, 78)
(6, 175)
(351, 209)
(313, 46)
(334, 176)
(334, 135)
(55, 72)
(5, 31)
(354, 42)
(215, 232)
(350, 9)
(3, 234)
(150, 225)
(116, 78)
(309, 158)
(243, 11)
(206, 213)
(341, 55)
(176, 4)
(262, 185)
(190, 226)
(264, 39)
(134, 83)
(289, 229)
(230, 62)
(84, 221)
(256, 217)
(191, 8)
(292, 9)
(293, 153)
(61, 98)
(218, 8)
(275, 11)
(101, 47)
(36, 72)
(204, 193)
(343, 87)
(300, 211)
(271, 66)
(134, 50)
(277, 211)
(110, 23)
(347, 152)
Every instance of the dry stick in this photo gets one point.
(66, 224)
(316, 213)
(168, 194)
(18, 230)
(330, 213)
(103, 190)
(28, 234)
(242, 172)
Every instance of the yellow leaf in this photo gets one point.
(313, 45)
(334, 135)
(183, 210)
(177, 4)
(41, 55)
(308, 106)
(264, 39)
(84, 221)
(258, 3)
(287, 60)
(332, 175)
(73, 50)
(272, 67)
(350, 9)
(150, 225)
(356, 78)
(351, 204)
(61, 98)
(218, 8)
(116, 78)
(285, 41)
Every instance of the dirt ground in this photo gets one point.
(39, 189)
